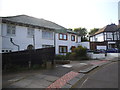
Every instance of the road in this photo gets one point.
(105, 77)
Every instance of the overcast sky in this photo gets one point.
(68, 13)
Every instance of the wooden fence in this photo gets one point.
(22, 58)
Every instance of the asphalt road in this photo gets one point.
(105, 77)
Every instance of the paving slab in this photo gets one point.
(15, 79)
(22, 83)
(34, 86)
(40, 76)
(51, 78)
(42, 82)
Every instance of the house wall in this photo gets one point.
(85, 44)
(22, 39)
(97, 38)
(67, 42)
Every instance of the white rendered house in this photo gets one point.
(25, 32)
(66, 42)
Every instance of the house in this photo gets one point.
(66, 41)
(23, 32)
(106, 38)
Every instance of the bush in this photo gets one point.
(60, 57)
(79, 53)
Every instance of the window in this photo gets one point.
(47, 46)
(47, 35)
(62, 49)
(96, 39)
(30, 31)
(72, 37)
(11, 29)
(62, 36)
(109, 35)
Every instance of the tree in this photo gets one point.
(82, 32)
(93, 31)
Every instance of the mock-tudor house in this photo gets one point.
(106, 38)
(23, 32)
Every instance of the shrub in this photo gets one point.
(79, 53)
(60, 57)
(72, 56)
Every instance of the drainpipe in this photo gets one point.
(34, 41)
(11, 40)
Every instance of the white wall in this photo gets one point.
(112, 55)
(85, 44)
(99, 38)
(96, 56)
(22, 39)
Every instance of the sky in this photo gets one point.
(67, 13)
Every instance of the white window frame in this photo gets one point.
(11, 29)
(47, 35)
(30, 31)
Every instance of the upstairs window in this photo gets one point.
(96, 39)
(62, 36)
(72, 37)
(47, 35)
(30, 31)
(11, 29)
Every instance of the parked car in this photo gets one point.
(89, 51)
(112, 50)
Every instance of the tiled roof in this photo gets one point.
(108, 28)
(33, 21)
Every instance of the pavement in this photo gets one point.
(61, 76)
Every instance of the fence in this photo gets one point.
(22, 58)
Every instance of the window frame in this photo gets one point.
(30, 31)
(72, 39)
(63, 49)
(49, 36)
(62, 36)
(11, 29)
